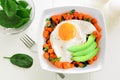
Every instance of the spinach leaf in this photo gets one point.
(9, 6)
(29, 10)
(25, 20)
(14, 14)
(21, 60)
(7, 22)
(23, 13)
(23, 4)
(2, 2)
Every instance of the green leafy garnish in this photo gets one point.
(62, 19)
(21, 60)
(46, 49)
(54, 59)
(47, 19)
(52, 23)
(84, 64)
(87, 19)
(72, 11)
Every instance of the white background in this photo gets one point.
(11, 44)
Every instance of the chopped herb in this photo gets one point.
(46, 49)
(62, 19)
(48, 24)
(52, 23)
(72, 11)
(84, 64)
(76, 65)
(55, 59)
(47, 19)
(87, 19)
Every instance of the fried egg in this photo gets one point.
(68, 33)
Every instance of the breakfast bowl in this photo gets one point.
(16, 16)
(64, 42)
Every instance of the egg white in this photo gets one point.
(60, 46)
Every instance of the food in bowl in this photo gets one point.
(71, 40)
(15, 15)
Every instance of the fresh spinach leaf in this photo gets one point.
(21, 60)
(15, 1)
(25, 20)
(19, 7)
(10, 8)
(7, 22)
(14, 14)
(23, 13)
(29, 10)
(23, 4)
(2, 2)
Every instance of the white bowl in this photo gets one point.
(97, 65)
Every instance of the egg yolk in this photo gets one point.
(67, 31)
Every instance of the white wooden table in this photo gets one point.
(11, 44)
